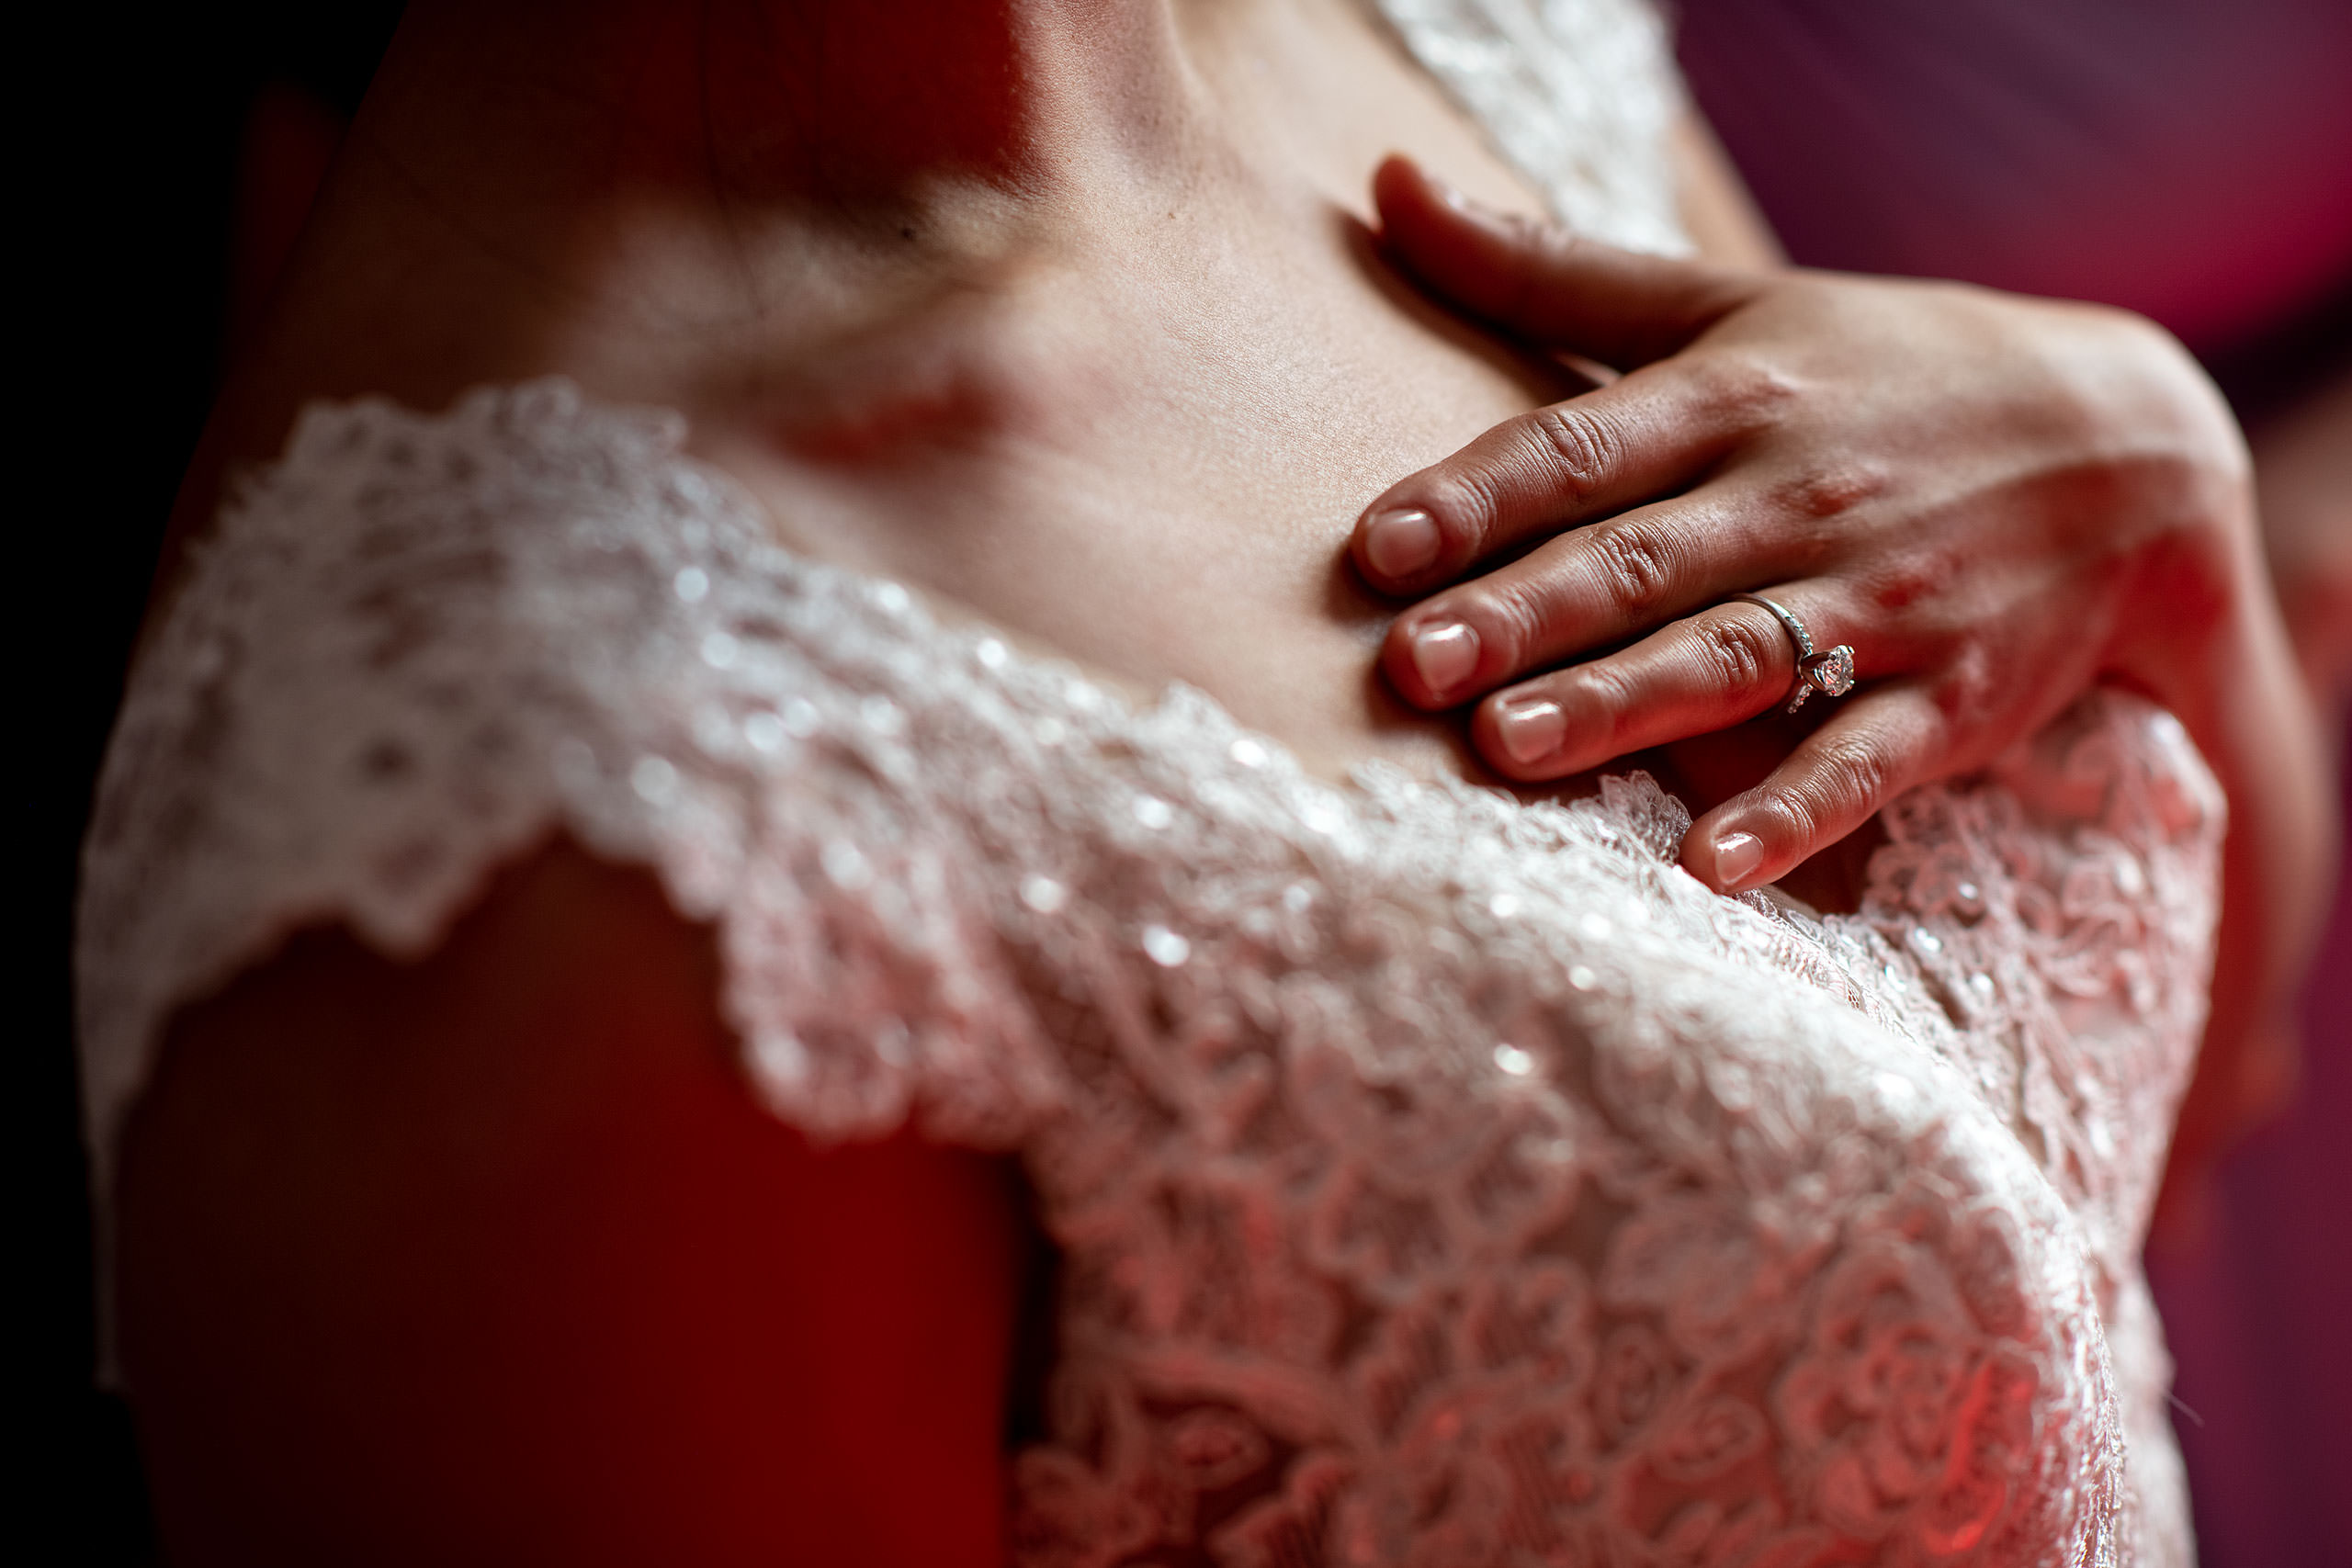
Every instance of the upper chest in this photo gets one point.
(1150, 464)
(1142, 441)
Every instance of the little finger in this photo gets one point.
(1879, 745)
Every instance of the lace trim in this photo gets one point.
(1579, 95)
(1439, 1178)
(448, 569)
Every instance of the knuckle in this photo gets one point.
(1968, 689)
(1605, 687)
(1819, 494)
(1744, 392)
(1849, 779)
(1579, 448)
(1465, 502)
(1511, 616)
(1842, 784)
(1604, 696)
(1793, 808)
(1635, 565)
(1910, 579)
(1740, 654)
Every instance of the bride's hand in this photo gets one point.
(1996, 501)
(1993, 500)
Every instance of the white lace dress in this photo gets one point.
(1439, 1179)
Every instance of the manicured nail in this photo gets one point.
(1531, 730)
(1401, 542)
(1444, 652)
(1736, 857)
(1469, 207)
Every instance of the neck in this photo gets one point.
(610, 187)
(839, 102)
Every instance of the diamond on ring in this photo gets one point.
(1830, 672)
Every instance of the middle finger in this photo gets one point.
(1591, 587)
(1646, 435)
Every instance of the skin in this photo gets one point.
(2057, 497)
(490, 1255)
(490, 1258)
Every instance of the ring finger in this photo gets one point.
(1706, 672)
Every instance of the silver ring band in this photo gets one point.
(1830, 673)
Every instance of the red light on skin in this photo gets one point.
(939, 406)
(291, 140)
(961, 374)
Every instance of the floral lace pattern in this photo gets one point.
(1579, 94)
(1440, 1178)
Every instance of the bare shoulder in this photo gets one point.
(496, 1256)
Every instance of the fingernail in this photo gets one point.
(1736, 857)
(1531, 730)
(1401, 542)
(1444, 653)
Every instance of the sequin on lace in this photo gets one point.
(1579, 94)
(1440, 1180)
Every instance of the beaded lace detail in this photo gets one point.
(1579, 94)
(1440, 1178)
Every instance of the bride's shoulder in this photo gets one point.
(418, 645)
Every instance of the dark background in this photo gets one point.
(128, 168)
(138, 167)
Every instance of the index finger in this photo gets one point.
(1644, 437)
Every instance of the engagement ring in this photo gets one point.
(1830, 673)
